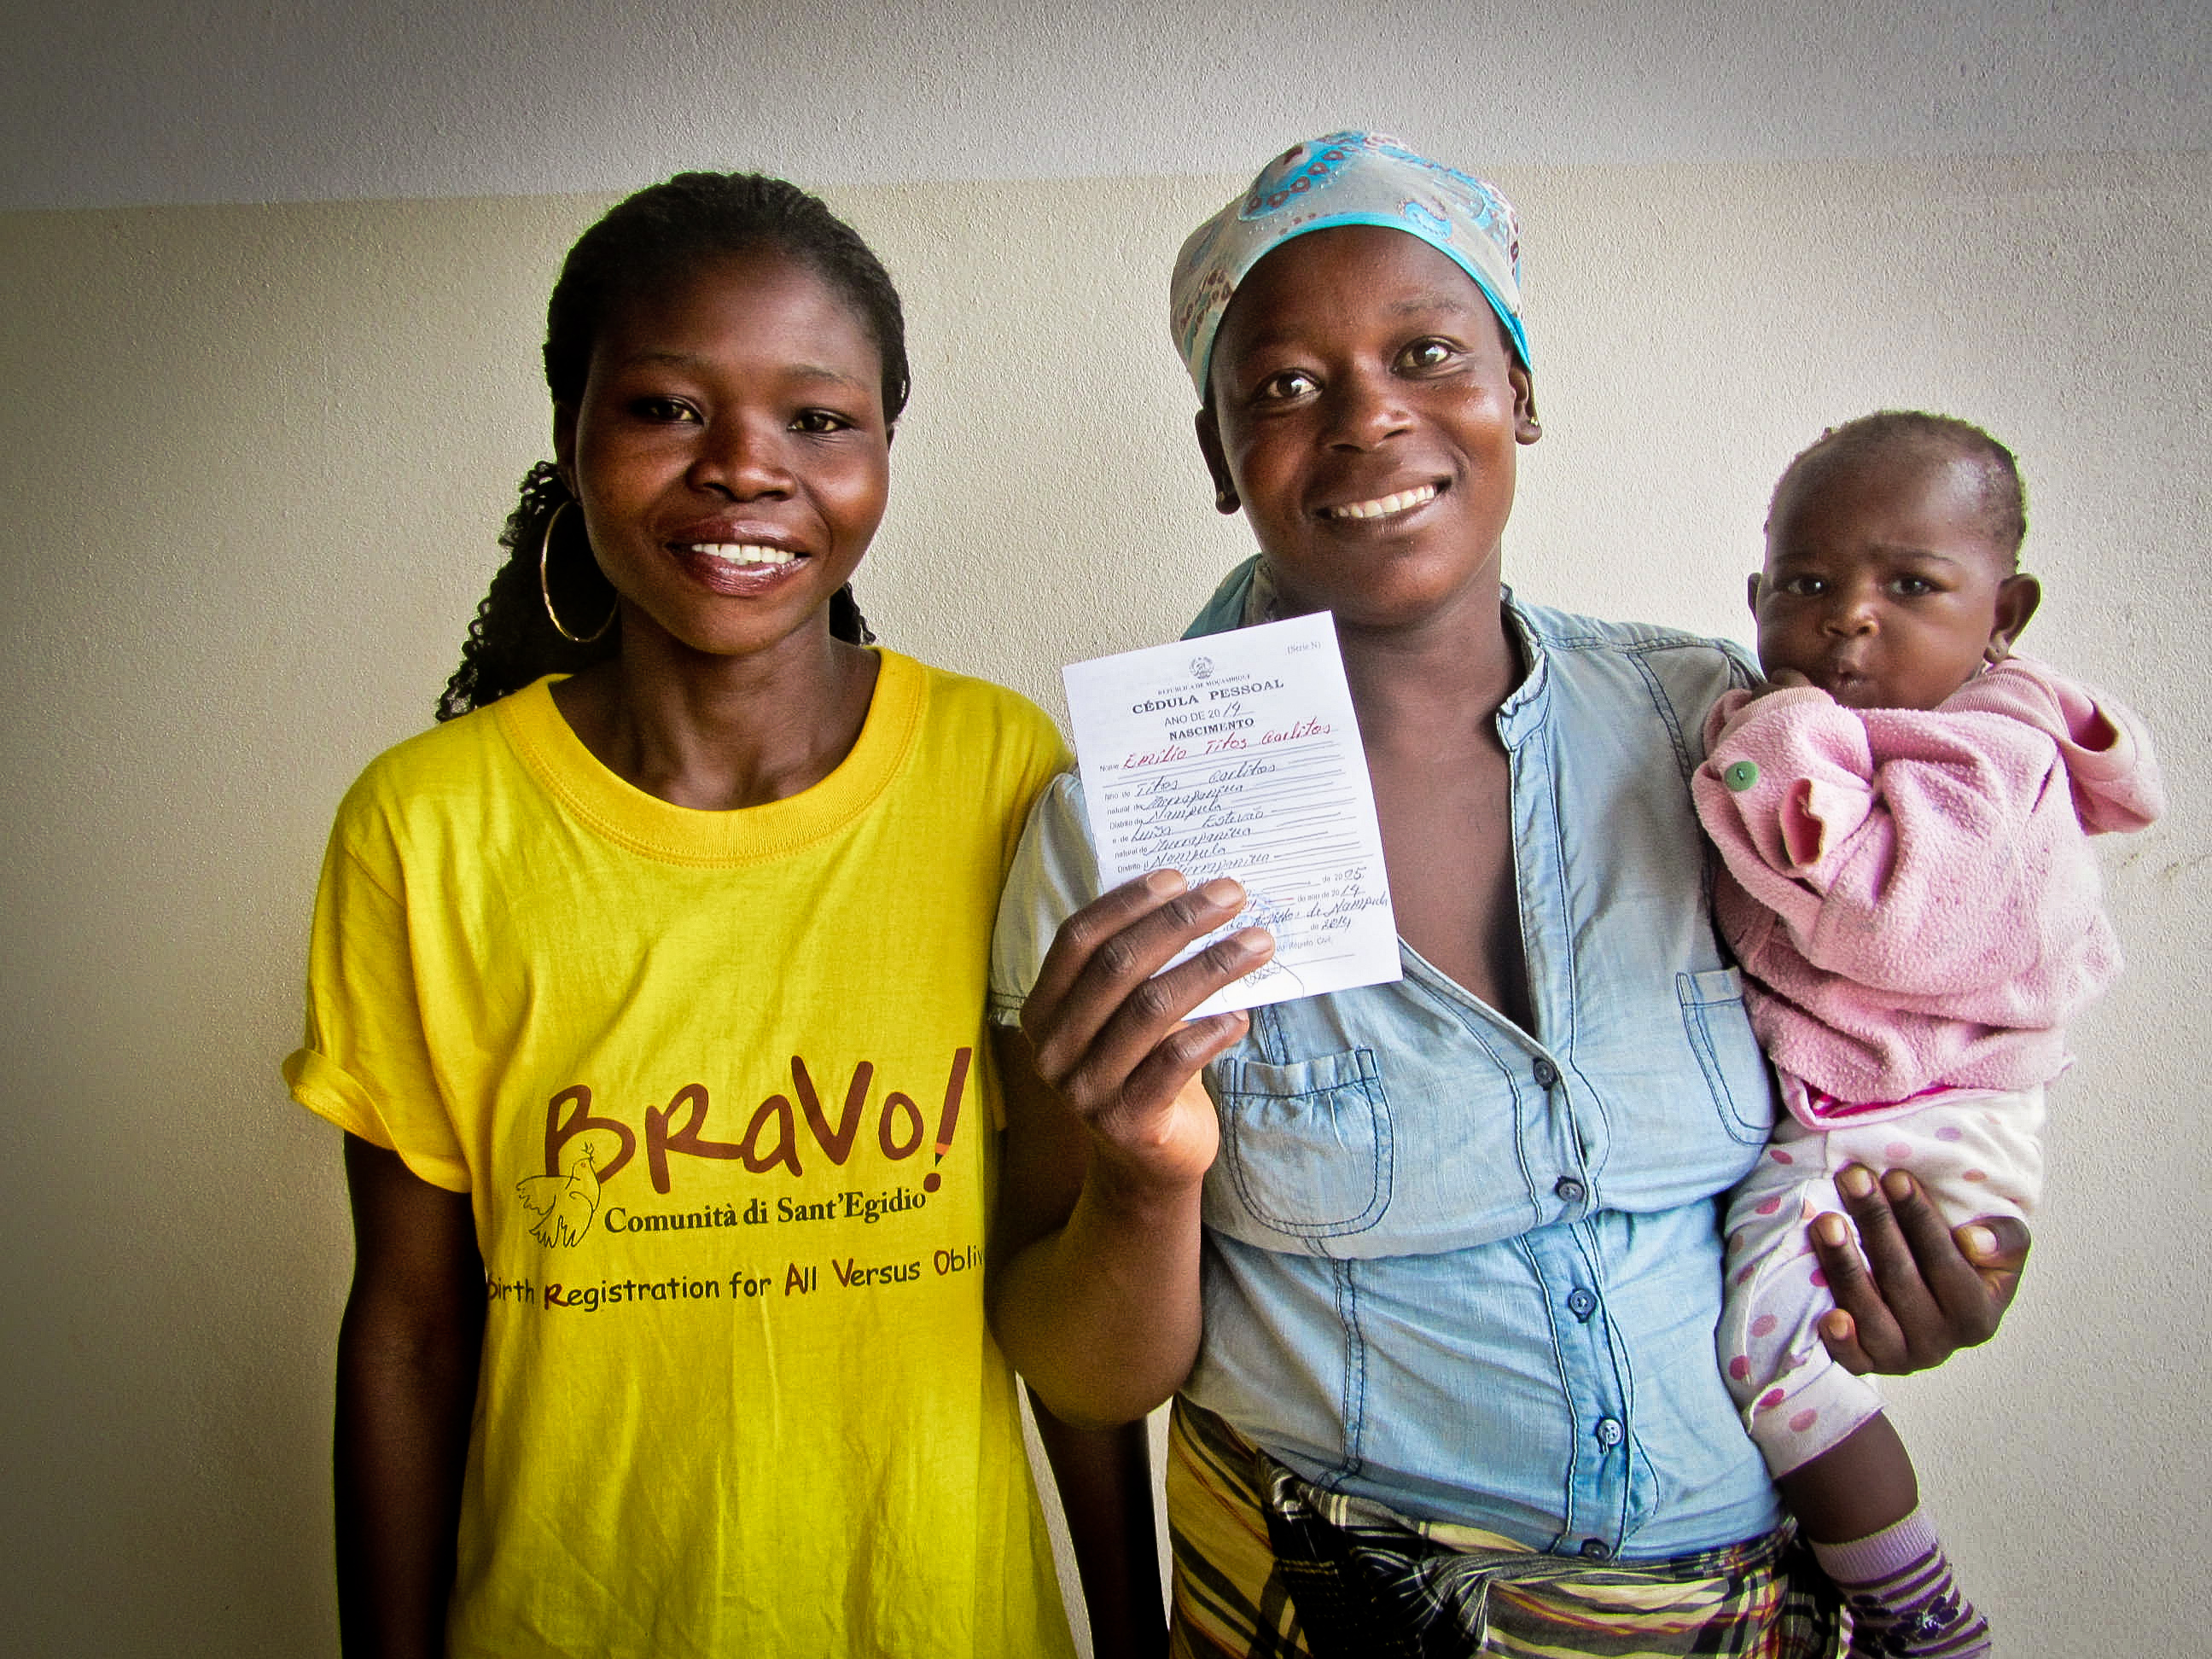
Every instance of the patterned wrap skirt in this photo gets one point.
(1268, 1566)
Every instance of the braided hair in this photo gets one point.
(2003, 497)
(645, 243)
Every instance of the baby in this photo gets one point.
(1903, 812)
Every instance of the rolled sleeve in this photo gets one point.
(366, 1064)
(1054, 874)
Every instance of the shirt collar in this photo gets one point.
(1526, 705)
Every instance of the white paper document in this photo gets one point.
(1239, 755)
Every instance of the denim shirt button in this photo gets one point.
(1596, 1548)
(1608, 1431)
(1570, 1191)
(1547, 1074)
(1580, 1304)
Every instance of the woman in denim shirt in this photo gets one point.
(1433, 1266)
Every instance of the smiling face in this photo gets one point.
(731, 453)
(1365, 412)
(1885, 584)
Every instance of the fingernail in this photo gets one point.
(1830, 1228)
(1253, 941)
(1164, 883)
(1855, 1182)
(1223, 891)
(1897, 1184)
(1978, 1241)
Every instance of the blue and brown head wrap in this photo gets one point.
(1345, 179)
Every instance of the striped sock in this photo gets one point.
(1902, 1600)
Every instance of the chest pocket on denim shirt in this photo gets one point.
(1305, 1149)
(1719, 1032)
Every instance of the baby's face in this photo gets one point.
(1883, 585)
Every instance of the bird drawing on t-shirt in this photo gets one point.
(562, 1204)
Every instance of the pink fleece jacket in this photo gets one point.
(1911, 895)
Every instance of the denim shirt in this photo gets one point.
(1469, 1271)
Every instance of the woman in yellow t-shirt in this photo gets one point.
(647, 988)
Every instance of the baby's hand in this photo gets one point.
(1782, 679)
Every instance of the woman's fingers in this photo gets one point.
(1103, 971)
(1840, 1332)
(1856, 1299)
(1919, 1293)
(1160, 1079)
(1146, 1015)
(1996, 1245)
(1898, 1319)
(1082, 934)
(1108, 1024)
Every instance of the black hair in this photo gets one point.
(645, 243)
(1918, 435)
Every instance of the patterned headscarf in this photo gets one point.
(1345, 179)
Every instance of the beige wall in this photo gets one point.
(255, 458)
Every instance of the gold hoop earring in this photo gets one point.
(545, 588)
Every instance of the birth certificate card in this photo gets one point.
(1239, 755)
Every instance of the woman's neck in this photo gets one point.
(716, 734)
(1435, 682)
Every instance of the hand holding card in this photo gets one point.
(1239, 755)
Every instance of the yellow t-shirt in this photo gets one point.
(716, 1087)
